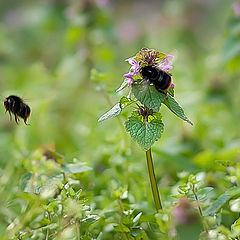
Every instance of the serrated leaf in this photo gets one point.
(145, 134)
(217, 204)
(113, 112)
(172, 104)
(76, 168)
(148, 95)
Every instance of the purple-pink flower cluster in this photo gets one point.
(144, 58)
(134, 70)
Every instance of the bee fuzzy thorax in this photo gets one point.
(160, 79)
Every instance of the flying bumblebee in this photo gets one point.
(160, 79)
(16, 106)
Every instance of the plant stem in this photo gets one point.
(153, 181)
(200, 209)
(121, 219)
(77, 229)
(48, 229)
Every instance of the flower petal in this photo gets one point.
(166, 63)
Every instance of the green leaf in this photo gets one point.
(54, 156)
(172, 104)
(201, 193)
(116, 109)
(136, 219)
(25, 178)
(171, 91)
(148, 95)
(113, 112)
(96, 76)
(90, 219)
(44, 222)
(236, 226)
(76, 168)
(123, 85)
(217, 204)
(71, 192)
(145, 134)
(136, 231)
(121, 228)
(124, 102)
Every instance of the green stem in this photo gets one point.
(200, 210)
(121, 219)
(153, 181)
(77, 229)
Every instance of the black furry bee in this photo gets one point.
(160, 79)
(18, 108)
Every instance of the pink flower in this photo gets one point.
(130, 78)
(236, 8)
(166, 64)
(134, 70)
(135, 66)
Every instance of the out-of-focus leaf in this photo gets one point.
(217, 204)
(76, 168)
(24, 181)
(136, 231)
(236, 226)
(121, 228)
(90, 219)
(235, 205)
(136, 219)
(202, 193)
(57, 157)
(96, 76)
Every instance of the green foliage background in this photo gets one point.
(66, 59)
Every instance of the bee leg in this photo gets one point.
(10, 116)
(16, 118)
(25, 121)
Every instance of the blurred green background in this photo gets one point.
(48, 50)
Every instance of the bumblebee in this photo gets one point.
(16, 106)
(160, 79)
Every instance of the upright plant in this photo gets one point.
(150, 86)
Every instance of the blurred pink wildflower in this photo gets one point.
(236, 8)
